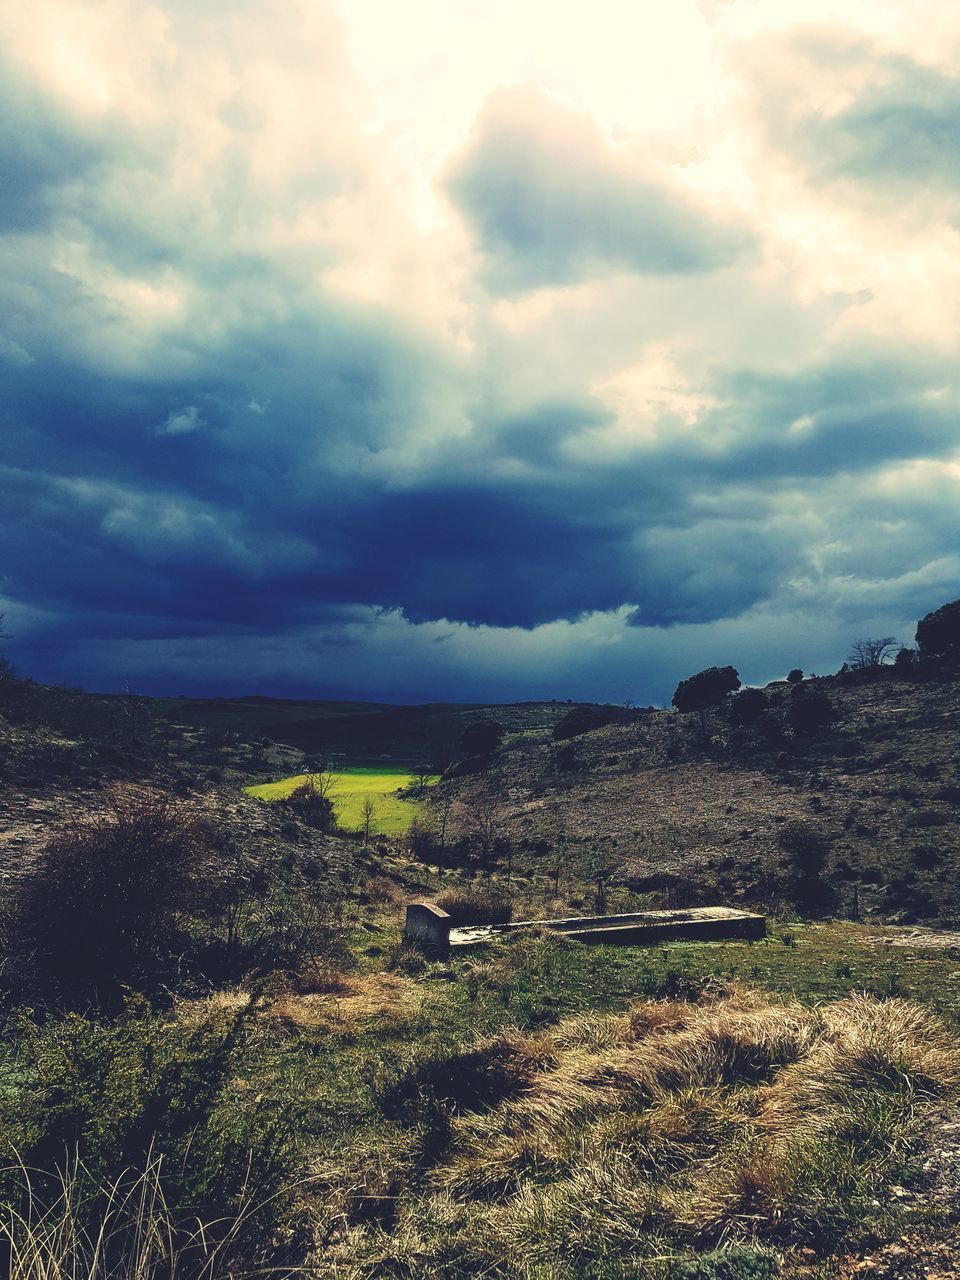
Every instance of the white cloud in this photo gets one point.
(181, 422)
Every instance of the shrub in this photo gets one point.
(110, 899)
(475, 906)
(705, 689)
(810, 710)
(929, 818)
(747, 706)
(738, 1263)
(311, 803)
(95, 1105)
(471, 1080)
(806, 848)
(795, 676)
(870, 654)
(584, 719)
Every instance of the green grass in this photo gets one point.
(393, 814)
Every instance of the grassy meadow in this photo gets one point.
(393, 813)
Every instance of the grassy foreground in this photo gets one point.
(393, 814)
(542, 1110)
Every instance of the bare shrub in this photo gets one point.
(312, 802)
(109, 899)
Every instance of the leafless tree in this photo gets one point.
(482, 819)
(442, 805)
(368, 813)
(866, 654)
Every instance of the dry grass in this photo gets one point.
(475, 905)
(349, 1001)
(719, 1117)
(133, 1235)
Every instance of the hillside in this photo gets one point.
(427, 734)
(190, 971)
(688, 820)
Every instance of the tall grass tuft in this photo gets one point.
(63, 1227)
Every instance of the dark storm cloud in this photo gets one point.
(243, 456)
(551, 202)
(236, 523)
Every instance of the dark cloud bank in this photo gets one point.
(253, 501)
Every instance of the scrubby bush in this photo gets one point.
(584, 719)
(110, 899)
(806, 848)
(470, 1080)
(311, 802)
(870, 654)
(706, 689)
(737, 1263)
(795, 676)
(747, 706)
(906, 659)
(811, 710)
(142, 1094)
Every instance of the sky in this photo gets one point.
(474, 349)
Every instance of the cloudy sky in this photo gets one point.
(474, 348)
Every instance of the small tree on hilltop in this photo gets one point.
(795, 676)
(938, 633)
(868, 655)
(706, 689)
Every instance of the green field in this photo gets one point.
(393, 815)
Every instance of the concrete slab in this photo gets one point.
(639, 928)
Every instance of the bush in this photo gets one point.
(705, 689)
(109, 900)
(747, 706)
(475, 906)
(810, 710)
(310, 802)
(805, 847)
(929, 818)
(584, 719)
(471, 1080)
(795, 676)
